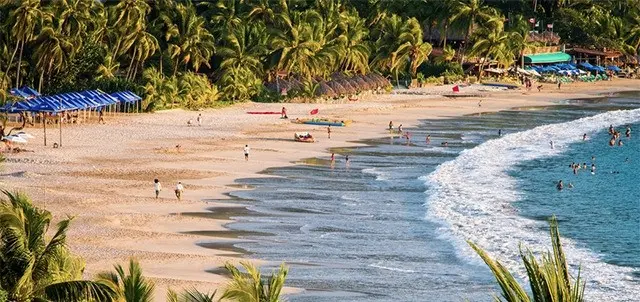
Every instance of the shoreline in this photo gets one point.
(149, 229)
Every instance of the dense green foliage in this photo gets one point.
(549, 278)
(241, 45)
(33, 267)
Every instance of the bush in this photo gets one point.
(451, 78)
(434, 80)
(438, 69)
(4, 297)
(267, 96)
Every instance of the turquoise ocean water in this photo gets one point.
(392, 226)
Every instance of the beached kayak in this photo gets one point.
(322, 122)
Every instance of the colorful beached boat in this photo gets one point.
(322, 122)
(304, 137)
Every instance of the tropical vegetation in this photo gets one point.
(36, 268)
(202, 53)
(549, 277)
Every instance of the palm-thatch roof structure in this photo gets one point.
(361, 83)
(324, 90)
(336, 87)
(347, 86)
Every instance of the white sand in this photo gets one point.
(103, 175)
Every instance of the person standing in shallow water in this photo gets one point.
(157, 187)
(560, 186)
(246, 152)
(329, 131)
(627, 133)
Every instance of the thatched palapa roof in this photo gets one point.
(324, 90)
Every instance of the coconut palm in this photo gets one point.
(54, 51)
(224, 15)
(190, 295)
(239, 83)
(126, 19)
(73, 18)
(196, 91)
(355, 57)
(160, 91)
(387, 57)
(144, 45)
(488, 44)
(244, 46)
(468, 13)
(25, 19)
(250, 287)
(414, 48)
(129, 286)
(549, 277)
(189, 41)
(33, 268)
(108, 68)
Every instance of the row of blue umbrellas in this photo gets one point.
(573, 69)
(66, 101)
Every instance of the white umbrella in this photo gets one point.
(24, 135)
(15, 139)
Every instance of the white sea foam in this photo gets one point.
(380, 175)
(389, 268)
(471, 196)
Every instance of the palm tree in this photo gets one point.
(239, 84)
(196, 91)
(356, 51)
(33, 268)
(144, 45)
(448, 54)
(244, 46)
(25, 19)
(189, 40)
(190, 295)
(108, 69)
(126, 19)
(250, 287)
(387, 57)
(73, 18)
(159, 91)
(129, 286)
(468, 13)
(224, 15)
(416, 50)
(487, 44)
(549, 278)
(54, 51)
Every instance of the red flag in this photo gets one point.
(456, 88)
(314, 111)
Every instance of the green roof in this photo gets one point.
(553, 57)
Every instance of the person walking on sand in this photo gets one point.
(329, 131)
(283, 113)
(246, 152)
(480, 103)
(199, 119)
(390, 125)
(400, 129)
(179, 190)
(157, 186)
(101, 116)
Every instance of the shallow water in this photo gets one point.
(369, 232)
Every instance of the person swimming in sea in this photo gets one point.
(584, 166)
(428, 140)
(593, 168)
(627, 133)
(584, 137)
(445, 144)
(560, 186)
(570, 186)
(551, 143)
(611, 130)
(499, 132)
(620, 143)
(612, 142)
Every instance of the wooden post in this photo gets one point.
(44, 123)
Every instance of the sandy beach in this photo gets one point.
(103, 174)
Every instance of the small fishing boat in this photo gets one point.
(304, 137)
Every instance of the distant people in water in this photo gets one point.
(400, 128)
(551, 144)
(445, 144)
(584, 137)
(570, 186)
(499, 132)
(593, 158)
(612, 142)
(628, 132)
(428, 140)
(611, 130)
(593, 168)
(560, 186)
(390, 125)
(620, 143)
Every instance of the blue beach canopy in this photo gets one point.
(126, 96)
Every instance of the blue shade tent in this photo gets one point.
(614, 68)
(25, 92)
(126, 96)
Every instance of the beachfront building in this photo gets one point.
(595, 56)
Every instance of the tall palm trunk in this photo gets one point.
(133, 57)
(19, 65)
(446, 30)
(175, 68)
(15, 51)
(484, 61)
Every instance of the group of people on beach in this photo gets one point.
(407, 135)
